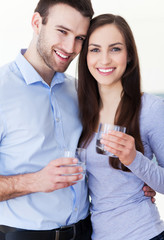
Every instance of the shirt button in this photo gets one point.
(75, 209)
(57, 119)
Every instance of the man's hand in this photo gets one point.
(59, 173)
(56, 175)
(149, 192)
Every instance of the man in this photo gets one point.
(39, 119)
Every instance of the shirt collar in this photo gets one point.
(30, 75)
(58, 78)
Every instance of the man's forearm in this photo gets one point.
(52, 177)
(15, 186)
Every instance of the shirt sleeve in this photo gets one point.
(152, 173)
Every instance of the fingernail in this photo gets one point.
(75, 160)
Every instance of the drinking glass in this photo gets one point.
(105, 128)
(80, 154)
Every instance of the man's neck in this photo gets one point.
(32, 57)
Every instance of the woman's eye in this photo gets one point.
(94, 50)
(116, 49)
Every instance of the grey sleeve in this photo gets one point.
(152, 173)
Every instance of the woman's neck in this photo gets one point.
(110, 99)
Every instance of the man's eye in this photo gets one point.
(80, 38)
(62, 31)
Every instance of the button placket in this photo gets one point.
(57, 121)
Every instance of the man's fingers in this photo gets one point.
(63, 161)
(149, 192)
(69, 169)
(69, 178)
(64, 185)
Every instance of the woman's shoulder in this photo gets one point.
(152, 113)
(152, 102)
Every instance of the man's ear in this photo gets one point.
(36, 22)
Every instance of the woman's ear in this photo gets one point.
(128, 59)
(36, 22)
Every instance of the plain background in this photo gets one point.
(145, 17)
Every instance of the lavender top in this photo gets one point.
(119, 208)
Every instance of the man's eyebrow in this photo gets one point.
(69, 30)
(63, 27)
(111, 45)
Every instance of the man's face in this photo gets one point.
(60, 39)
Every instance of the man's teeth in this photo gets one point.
(61, 55)
(105, 70)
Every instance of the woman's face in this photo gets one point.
(107, 55)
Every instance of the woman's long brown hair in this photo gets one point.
(128, 111)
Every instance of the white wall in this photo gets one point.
(146, 18)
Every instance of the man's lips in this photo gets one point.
(62, 55)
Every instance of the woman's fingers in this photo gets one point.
(121, 145)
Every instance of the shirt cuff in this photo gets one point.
(136, 164)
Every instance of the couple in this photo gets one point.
(40, 117)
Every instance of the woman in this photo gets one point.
(109, 92)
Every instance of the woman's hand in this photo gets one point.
(120, 144)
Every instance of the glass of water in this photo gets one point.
(80, 154)
(105, 128)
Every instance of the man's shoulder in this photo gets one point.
(70, 81)
(8, 73)
(69, 77)
(6, 69)
(4, 73)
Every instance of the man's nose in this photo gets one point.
(69, 45)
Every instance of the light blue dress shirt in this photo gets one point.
(37, 122)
